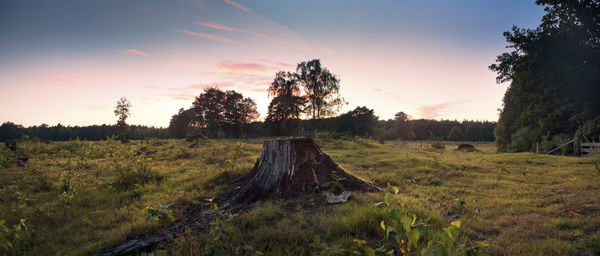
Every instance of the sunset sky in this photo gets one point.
(69, 62)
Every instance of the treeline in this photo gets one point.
(359, 122)
(10, 131)
(554, 75)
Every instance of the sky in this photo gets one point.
(69, 62)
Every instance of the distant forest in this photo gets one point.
(344, 125)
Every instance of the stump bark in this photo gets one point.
(289, 168)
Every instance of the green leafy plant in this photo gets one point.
(335, 184)
(69, 188)
(162, 213)
(407, 233)
(216, 244)
(10, 237)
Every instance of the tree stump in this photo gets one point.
(289, 168)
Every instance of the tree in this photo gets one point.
(360, 121)
(456, 134)
(10, 131)
(402, 127)
(554, 71)
(180, 123)
(287, 103)
(321, 87)
(219, 112)
(122, 112)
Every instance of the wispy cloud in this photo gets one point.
(328, 51)
(241, 7)
(181, 64)
(66, 80)
(243, 66)
(134, 52)
(279, 64)
(390, 95)
(208, 36)
(222, 85)
(231, 29)
(439, 110)
(188, 98)
(216, 26)
(96, 108)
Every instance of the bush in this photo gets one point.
(522, 141)
(438, 145)
(134, 170)
(557, 140)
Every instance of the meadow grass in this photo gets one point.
(78, 197)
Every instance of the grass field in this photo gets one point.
(78, 197)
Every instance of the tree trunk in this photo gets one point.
(290, 168)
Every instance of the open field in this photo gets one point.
(78, 197)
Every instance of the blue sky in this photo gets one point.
(69, 62)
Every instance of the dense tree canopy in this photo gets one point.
(554, 74)
(216, 113)
(321, 88)
(361, 121)
(180, 124)
(287, 102)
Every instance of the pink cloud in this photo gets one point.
(96, 108)
(439, 110)
(266, 37)
(328, 51)
(305, 48)
(222, 85)
(390, 95)
(209, 36)
(189, 98)
(231, 2)
(66, 80)
(216, 26)
(280, 64)
(243, 66)
(181, 64)
(134, 52)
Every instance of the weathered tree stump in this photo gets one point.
(288, 168)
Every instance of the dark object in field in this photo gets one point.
(125, 141)
(195, 144)
(195, 137)
(289, 168)
(438, 145)
(11, 144)
(466, 147)
(21, 161)
(145, 151)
